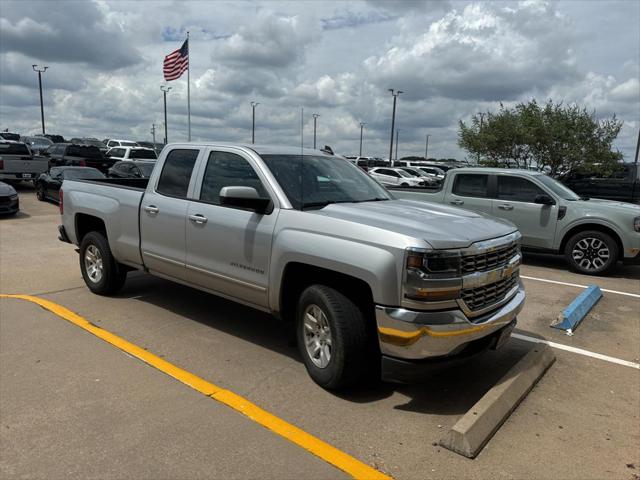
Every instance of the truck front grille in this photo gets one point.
(483, 262)
(486, 295)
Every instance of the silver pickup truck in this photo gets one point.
(310, 238)
(592, 234)
(17, 163)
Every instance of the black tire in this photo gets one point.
(347, 324)
(591, 253)
(112, 276)
(404, 184)
(40, 192)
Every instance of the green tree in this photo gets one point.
(553, 135)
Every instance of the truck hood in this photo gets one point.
(439, 225)
(603, 206)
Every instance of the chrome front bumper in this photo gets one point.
(418, 335)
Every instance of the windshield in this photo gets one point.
(86, 172)
(316, 181)
(558, 188)
(142, 154)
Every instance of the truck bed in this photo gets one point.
(129, 183)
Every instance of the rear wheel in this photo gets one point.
(591, 253)
(100, 271)
(332, 338)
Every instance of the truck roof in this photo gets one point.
(517, 171)
(260, 149)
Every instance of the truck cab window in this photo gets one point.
(471, 185)
(176, 173)
(226, 169)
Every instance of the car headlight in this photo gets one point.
(13, 197)
(432, 276)
(636, 224)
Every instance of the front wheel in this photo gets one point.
(100, 271)
(331, 334)
(591, 253)
(40, 192)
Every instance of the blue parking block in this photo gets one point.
(578, 309)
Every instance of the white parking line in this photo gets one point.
(635, 295)
(579, 351)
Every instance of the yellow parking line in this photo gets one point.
(314, 445)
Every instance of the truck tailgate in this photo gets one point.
(17, 166)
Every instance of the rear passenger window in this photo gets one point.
(471, 185)
(517, 189)
(176, 173)
(226, 169)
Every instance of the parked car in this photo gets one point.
(53, 138)
(131, 153)
(18, 163)
(313, 239)
(70, 155)
(49, 183)
(113, 142)
(435, 171)
(592, 234)
(90, 141)
(430, 180)
(395, 176)
(36, 144)
(10, 136)
(9, 201)
(622, 185)
(137, 169)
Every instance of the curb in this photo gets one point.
(472, 432)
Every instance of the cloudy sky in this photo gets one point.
(334, 58)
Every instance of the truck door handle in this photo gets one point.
(151, 209)
(505, 206)
(199, 219)
(457, 202)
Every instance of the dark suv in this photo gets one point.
(74, 155)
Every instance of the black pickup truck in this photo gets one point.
(75, 155)
(622, 185)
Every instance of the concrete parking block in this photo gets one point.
(472, 432)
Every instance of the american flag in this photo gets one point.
(176, 63)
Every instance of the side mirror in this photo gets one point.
(544, 200)
(244, 197)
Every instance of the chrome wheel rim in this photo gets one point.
(591, 253)
(93, 263)
(317, 336)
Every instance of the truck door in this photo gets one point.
(163, 214)
(228, 248)
(470, 191)
(515, 201)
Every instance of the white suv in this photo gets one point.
(132, 153)
(395, 176)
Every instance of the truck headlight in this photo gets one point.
(432, 276)
(636, 224)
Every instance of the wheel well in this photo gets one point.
(88, 223)
(298, 276)
(596, 227)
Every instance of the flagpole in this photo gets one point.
(189, 91)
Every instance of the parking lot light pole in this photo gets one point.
(426, 148)
(361, 127)
(393, 122)
(315, 118)
(253, 121)
(40, 71)
(165, 89)
(153, 132)
(397, 132)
